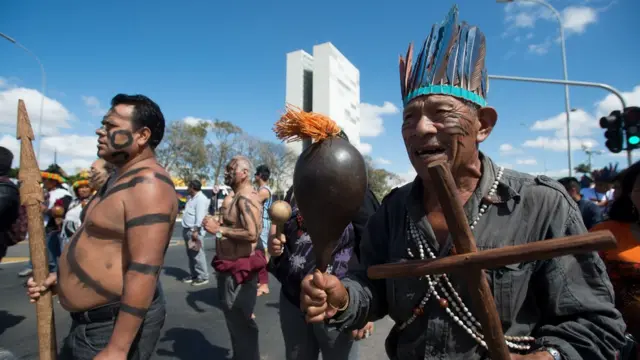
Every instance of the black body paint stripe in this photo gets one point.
(129, 184)
(120, 156)
(164, 179)
(135, 181)
(132, 172)
(82, 275)
(144, 268)
(148, 219)
(137, 312)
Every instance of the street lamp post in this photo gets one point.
(609, 88)
(44, 86)
(564, 66)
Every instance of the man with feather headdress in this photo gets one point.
(560, 308)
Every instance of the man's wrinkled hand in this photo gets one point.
(276, 245)
(321, 296)
(363, 333)
(35, 291)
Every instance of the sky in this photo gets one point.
(226, 60)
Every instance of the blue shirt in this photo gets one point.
(194, 211)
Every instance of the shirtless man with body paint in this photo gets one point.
(237, 238)
(108, 273)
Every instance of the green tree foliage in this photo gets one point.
(280, 160)
(381, 181)
(184, 152)
(222, 146)
(275, 155)
(583, 169)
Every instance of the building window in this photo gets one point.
(307, 91)
(345, 86)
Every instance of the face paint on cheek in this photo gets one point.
(120, 139)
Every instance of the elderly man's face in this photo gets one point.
(441, 127)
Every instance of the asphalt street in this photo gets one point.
(194, 328)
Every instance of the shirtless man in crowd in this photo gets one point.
(108, 274)
(236, 243)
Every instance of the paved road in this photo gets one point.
(194, 326)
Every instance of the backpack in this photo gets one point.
(17, 231)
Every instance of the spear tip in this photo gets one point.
(25, 131)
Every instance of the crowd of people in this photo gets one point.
(582, 306)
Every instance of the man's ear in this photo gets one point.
(145, 136)
(488, 118)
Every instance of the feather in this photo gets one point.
(477, 61)
(485, 83)
(462, 53)
(433, 56)
(448, 34)
(409, 67)
(471, 37)
(403, 82)
(421, 62)
(453, 58)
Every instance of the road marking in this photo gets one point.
(22, 259)
(10, 260)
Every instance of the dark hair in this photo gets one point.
(570, 183)
(146, 113)
(6, 159)
(56, 169)
(263, 172)
(622, 208)
(195, 185)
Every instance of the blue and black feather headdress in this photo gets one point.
(451, 62)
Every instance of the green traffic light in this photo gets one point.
(634, 140)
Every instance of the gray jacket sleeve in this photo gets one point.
(576, 298)
(367, 298)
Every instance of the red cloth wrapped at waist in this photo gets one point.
(241, 269)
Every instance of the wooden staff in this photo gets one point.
(32, 198)
(495, 258)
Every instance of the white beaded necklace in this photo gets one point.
(460, 313)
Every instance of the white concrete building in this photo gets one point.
(325, 83)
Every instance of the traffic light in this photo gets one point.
(613, 124)
(632, 127)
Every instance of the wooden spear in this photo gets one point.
(32, 197)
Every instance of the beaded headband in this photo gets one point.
(451, 62)
(52, 176)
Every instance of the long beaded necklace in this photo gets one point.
(450, 299)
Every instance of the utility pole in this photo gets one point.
(611, 89)
(590, 153)
(55, 157)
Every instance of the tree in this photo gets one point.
(381, 181)
(250, 147)
(583, 168)
(280, 160)
(221, 149)
(184, 152)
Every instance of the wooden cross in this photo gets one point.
(473, 262)
(32, 197)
